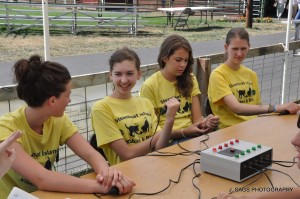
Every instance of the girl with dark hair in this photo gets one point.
(125, 125)
(46, 89)
(233, 88)
(175, 79)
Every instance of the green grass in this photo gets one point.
(147, 19)
(61, 13)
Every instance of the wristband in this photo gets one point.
(271, 108)
(182, 133)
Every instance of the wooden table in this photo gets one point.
(152, 174)
(170, 12)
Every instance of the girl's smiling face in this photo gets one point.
(124, 76)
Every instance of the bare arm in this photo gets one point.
(159, 140)
(200, 125)
(247, 109)
(108, 176)
(50, 180)
(128, 152)
(165, 134)
(93, 158)
(87, 152)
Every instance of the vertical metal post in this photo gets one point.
(46, 29)
(249, 14)
(286, 53)
(135, 17)
(74, 25)
(7, 18)
(262, 8)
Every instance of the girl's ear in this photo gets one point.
(165, 59)
(110, 76)
(139, 74)
(225, 47)
(51, 100)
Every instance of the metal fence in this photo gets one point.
(71, 17)
(266, 61)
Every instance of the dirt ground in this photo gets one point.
(22, 45)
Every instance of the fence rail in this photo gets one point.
(73, 17)
(266, 61)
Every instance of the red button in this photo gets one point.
(220, 147)
(214, 150)
(231, 142)
(237, 140)
(225, 145)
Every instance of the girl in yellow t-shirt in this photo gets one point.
(175, 79)
(126, 125)
(233, 89)
(46, 89)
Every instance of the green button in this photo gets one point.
(259, 146)
(248, 151)
(243, 153)
(253, 148)
(236, 155)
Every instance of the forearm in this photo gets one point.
(177, 134)
(165, 134)
(127, 152)
(249, 109)
(59, 182)
(193, 130)
(87, 152)
(96, 161)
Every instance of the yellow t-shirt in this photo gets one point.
(159, 90)
(133, 120)
(42, 148)
(243, 84)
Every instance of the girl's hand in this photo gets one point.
(7, 155)
(291, 107)
(212, 121)
(195, 130)
(125, 185)
(109, 176)
(172, 106)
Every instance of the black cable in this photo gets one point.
(158, 120)
(284, 174)
(170, 182)
(196, 161)
(243, 187)
(279, 162)
(198, 189)
(186, 152)
(269, 180)
(196, 176)
(203, 141)
(263, 169)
